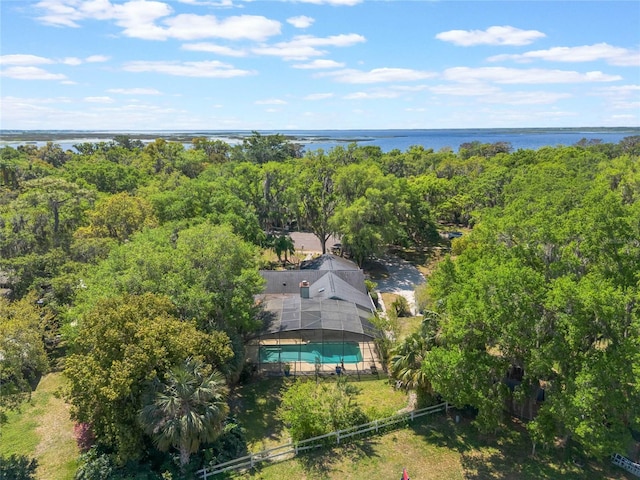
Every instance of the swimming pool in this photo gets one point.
(330, 352)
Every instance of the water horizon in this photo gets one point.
(386, 139)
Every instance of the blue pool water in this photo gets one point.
(331, 352)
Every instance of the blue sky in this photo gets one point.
(317, 64)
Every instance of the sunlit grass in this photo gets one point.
(437, 448)
(42, 429)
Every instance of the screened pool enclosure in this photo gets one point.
(318, 318)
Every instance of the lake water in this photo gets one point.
(387, 140)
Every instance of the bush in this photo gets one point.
(311, 409)
(401, 307)
(85, 438)
(230, 445)
(95, 465)
(18, 467)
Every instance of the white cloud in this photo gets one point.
(208, 69)
(524, 98)
(219, 3)
(378, 75)
(190, 27)
(134, 91)
(524, 76)
(30, 73)
(618, 56)
(348, 3)
(302, 47)
(464, 90)
(620, 97)
(97, 59)
(319, 64)
(270, 101)
(318, 96)
(138, 19)
(497, 35)
(301, 22)
(371, 95)
(24, 59)
(392, 91)
(73, 61)
(212, 48)
(98, 99)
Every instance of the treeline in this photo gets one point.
(537, 311)
(145, 259)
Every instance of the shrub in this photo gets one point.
(18, 467)
(401, 307)
(311, 409)
(85, 438)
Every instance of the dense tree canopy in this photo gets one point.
(147, 256)
(123, 344)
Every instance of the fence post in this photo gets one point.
(205, 475)
(338, 436)
(412, 415)
(252, 460)
(376, 425)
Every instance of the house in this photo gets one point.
(317, 317)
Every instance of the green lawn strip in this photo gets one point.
(438, 448)
(57, 452)
(18, 435)
(376, 457)
(42, 429)
(408, 325)
(256, 406)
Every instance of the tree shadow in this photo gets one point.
(506, 454)
(320, 462)
(255, 405)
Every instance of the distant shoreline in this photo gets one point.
(15, 136)
(386, 140)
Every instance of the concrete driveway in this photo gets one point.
(402, 279)
(309, 243)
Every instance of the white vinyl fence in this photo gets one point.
(289, 450)
(628, 465)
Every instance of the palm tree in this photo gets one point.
(284, 244)
(408, 357)
(186, 410)
(406, 363)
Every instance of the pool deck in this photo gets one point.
(369, 364)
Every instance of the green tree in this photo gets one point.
(119, 216)
(261, 149)
(45, 215)
(209, 273)
(121, 345)
(315, 195)
(187, 409)
(22, 351)
(216, 151)
(372, 221)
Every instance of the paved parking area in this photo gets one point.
(309, 243)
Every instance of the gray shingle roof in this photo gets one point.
(338, 298)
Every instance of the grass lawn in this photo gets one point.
(436, 448)
(255, 406)
(42, 429)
